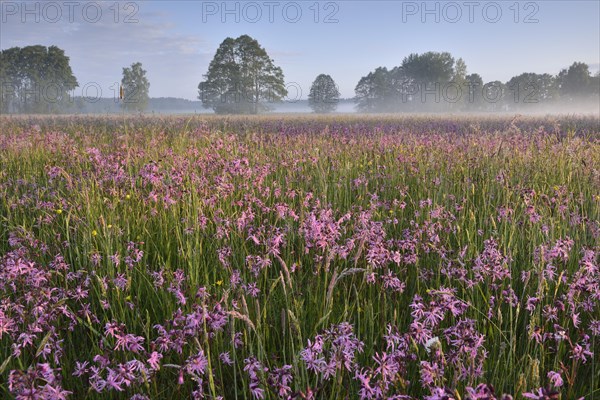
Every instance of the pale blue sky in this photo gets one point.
(175, 40)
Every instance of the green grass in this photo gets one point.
(99, 205)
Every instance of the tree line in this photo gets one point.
(243, 79)
(437, 82)
(39, 80)
(35, 79)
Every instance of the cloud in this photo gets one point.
(98, 50)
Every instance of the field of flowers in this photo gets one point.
(299, 257)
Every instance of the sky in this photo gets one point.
(176, 40)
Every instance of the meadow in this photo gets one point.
(300, 257)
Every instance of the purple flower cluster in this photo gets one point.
(299, 258)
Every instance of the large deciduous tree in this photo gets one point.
(416, 85)
(529, 89)
(429, 68)
(576, 81)
(324, 94)
(428, 74)
(375, 92)
(135, 88)
(241, 78)
(474, 92)
(35, 79)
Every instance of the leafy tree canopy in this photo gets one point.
(135, 88)
(35, 79)
(241, 78)
(324, 94)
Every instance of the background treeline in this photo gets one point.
(35, 79)
(39, 79)
(437, 82)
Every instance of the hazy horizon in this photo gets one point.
(175, 41)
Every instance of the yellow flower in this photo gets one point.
(59, 211)
(127, 196)
(109, 226)
(94, 233)
(219, 282)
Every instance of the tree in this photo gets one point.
(9, 79)
(474, 91)
(459, 80)
(595, 85)
(430, 67)
(373, 93)
(419, 80)
(428, 74)
(494, 94)
(241, 78)
(324, 94)
(575, 82)
(135, 88)
(529, 89)
(35, 79)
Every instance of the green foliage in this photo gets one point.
(241, 78)
(459, 88)
(474, 96)
(179, 187)
(324, 94)
(436, 82)
(135, 87)
(375, 92)
(576, 82)
(429, 68)
(35, 79)
(405, 88)
(529, 88)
